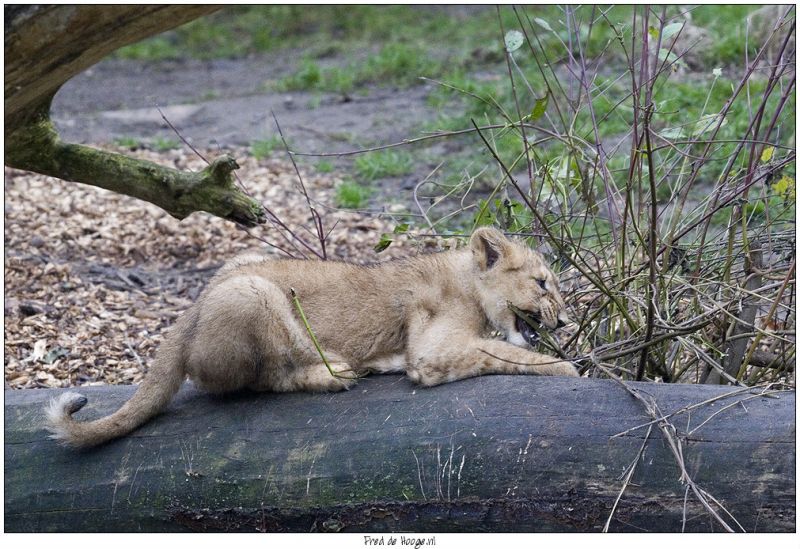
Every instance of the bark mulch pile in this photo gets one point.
(93, 278)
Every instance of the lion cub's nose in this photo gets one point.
(560, 323)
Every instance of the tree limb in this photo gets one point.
(44, 47)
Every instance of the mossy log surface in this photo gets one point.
(499, 453)
(47, 45)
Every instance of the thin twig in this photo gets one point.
(673, 442)
(628, 475)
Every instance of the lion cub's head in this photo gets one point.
(511, 275)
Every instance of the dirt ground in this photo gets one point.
(92, 278)
(221, 104)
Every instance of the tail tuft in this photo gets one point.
(59, 413)
(153, 394)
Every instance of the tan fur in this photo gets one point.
(429, 316)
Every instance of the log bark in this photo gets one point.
(499, 453)
(44, 47)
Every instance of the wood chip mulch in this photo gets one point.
(92, 278)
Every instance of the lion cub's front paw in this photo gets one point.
(567, 369)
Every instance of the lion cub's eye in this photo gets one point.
(541, 282)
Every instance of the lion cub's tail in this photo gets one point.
(154, 393)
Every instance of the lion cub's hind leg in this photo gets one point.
(246, 337)
(315, 378)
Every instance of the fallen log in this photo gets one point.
(499, 453)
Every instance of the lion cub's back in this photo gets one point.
(304, 275)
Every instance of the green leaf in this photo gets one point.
(484, 217)
(672, 133)
(670, 56)
(542, 23)
(653, 32)
(539, 107)
(670, 29)
(785, 186)
(514, 40)
(707, 123)
(384, 243)
(402, 228)
(766, 155)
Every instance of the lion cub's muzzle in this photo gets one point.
(523, 326)
(523, 322)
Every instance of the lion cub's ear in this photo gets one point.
(488, 247)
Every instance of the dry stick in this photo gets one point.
(668, 430)
(436, 135)
(274, 220)
(314, 214)
(676, 332)
(628, 475)
(690, 407)
(174, 129)
(516, 103)
(650, 342)
(680, 330)
(416, 199)
(727, 407)
(716, 367)
(651, 283)
(514, 362)
(771, 312)
(593, 356)
(536, 326)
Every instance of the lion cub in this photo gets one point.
(428, 316)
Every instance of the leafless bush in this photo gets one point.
(660, 288)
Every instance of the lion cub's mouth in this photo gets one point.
(523, 322)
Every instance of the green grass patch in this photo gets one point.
(307, 77)
(324, 166)
(157, 48)
(470, 37)
(352, 195)
(262, 148)
(127, 142)
(379, 164)
(163, 144)
(398, 63)
(394, 64)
